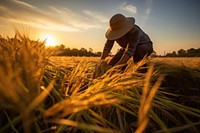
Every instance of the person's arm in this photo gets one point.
(130, 50)
(104, 54)
(123, 60)
(108, 46)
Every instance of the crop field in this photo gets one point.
(42, 93)
(190, 62)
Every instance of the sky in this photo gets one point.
(171, 24)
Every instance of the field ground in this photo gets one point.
(40, 93)
(177, 96)
(72, 61)
(188, 62)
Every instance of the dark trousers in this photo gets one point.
(140, 52)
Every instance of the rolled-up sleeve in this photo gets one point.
(108, 45)
(134, 40)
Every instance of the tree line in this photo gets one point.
(192, 52)
(61, 50)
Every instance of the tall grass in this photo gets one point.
(38, 96)
(22, 70)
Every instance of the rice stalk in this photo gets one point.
(11, 124)
(146, 101)
(22, 68)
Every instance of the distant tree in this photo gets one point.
(91, 50)
(83, 52)
(61, 47)
(83, 49)
(198, 52)
(75, 52)
(192, 52)
(182, 53)
(68, 52)
(98, 53)
(173, 54)
(59, 50)
(168, 55)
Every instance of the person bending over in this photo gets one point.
(133, 40)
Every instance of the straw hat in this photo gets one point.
(119, 26)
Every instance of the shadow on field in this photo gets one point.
(182, 86)
(183, 81)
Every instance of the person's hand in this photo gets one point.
(102, 61)
(101, 68)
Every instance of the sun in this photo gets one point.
(49, 40)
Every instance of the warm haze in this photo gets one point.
(171, 24)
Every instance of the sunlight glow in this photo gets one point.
(49, 40)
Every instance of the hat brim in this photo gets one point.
(113, 35)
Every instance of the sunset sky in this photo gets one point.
(171, 24)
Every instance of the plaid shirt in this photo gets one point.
(130, 41)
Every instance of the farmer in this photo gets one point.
(133, 40)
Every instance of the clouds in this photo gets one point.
(96, 15)
(71, 19)
(147, 11)
(129, 8)
(18, 12)
(56, 17)
(144, 12)
(51, 18)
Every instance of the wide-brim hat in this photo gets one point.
(119, 26)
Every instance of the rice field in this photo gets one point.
(41, 93)
(190, 62)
